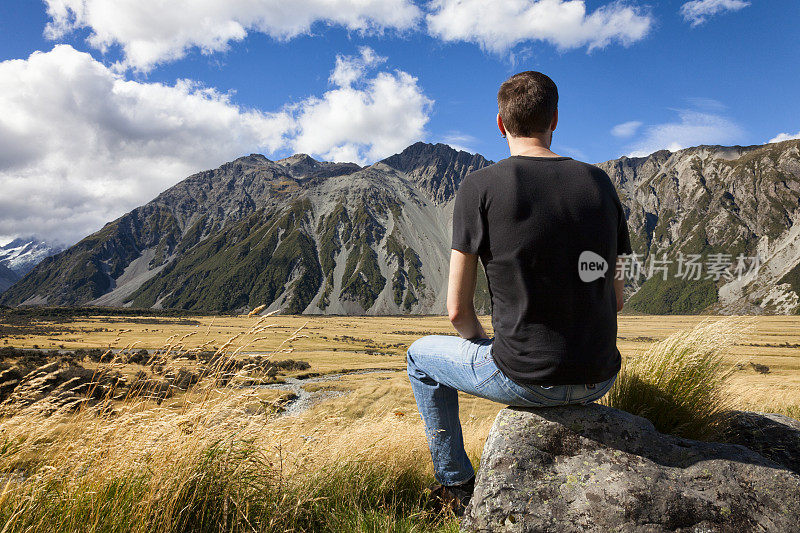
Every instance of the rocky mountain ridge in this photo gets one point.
(710, 200)
(305, 236)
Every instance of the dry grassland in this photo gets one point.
(336, 344)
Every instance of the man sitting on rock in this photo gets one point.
(546, 228)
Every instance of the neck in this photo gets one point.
(538, 146)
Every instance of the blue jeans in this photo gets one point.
(441, 365)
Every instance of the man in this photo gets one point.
(546, 228)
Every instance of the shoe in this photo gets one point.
(452, 497)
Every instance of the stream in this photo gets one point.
(306, 400)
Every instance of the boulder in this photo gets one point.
(594, 468)
(774, 436)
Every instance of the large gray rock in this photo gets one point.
(594, 468)
(774, 436)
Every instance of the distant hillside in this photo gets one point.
(306, 236)
(297, 234)
(716, 200)
(7, 277)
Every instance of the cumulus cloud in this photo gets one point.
(626, 129)
(691, 129)
(362, 118)
(784, 137)
(153, 31)
(697, 12)
(498, 25)
(349, 69)
(80, 145)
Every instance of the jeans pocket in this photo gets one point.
(600, 390)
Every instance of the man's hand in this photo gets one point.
(461, 293)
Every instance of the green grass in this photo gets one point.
(673, 296)
(793, 279)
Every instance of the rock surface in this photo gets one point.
(594, 468)
(774, 436)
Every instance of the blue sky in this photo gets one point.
(88, 137)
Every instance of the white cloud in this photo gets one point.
(361, 119)
(573, 152)
(80, 145)
(498, 25)
(784, 137)
(349, 69)
(626, 129)
(697, 12)
(154, 31)
(692, 128)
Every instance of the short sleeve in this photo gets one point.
(469, 222)
(623, 236)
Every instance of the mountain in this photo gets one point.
(7, 277)
(21, 255)
(307, 236)
(298, 234)
(711, 200)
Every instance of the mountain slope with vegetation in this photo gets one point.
(305, 236)
(296, 234)
(712, 200)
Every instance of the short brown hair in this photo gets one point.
(527, 102)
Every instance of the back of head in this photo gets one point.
(527, 103)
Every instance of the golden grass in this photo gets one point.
(679, 382)
(208, 460)
(773, 341)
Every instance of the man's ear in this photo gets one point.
(554, 123)
(501, 126)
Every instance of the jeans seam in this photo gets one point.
(480, 385)
(509, 387)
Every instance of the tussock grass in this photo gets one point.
(207, 463)
(679, 382)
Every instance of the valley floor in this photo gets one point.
(767, 355)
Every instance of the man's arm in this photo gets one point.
(619, 283)
(461, 294)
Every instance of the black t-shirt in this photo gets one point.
(542, 226)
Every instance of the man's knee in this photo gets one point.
(416, 348)
(412, 351)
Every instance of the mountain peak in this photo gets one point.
(252, 159)
(305, 166)
(437, 168)
(24, 253)
(423, 150)
(298, 159)
(301, 164)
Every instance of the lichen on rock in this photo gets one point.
(595, 468)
